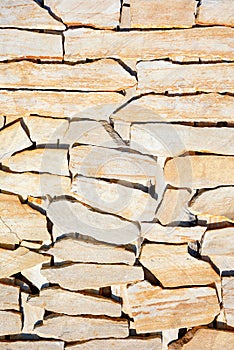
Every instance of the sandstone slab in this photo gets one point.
(9, 297)
(71, 303)
(36, 185)
(171, 234)
(210, 107)
(102, 75)
(41, 46)
(70, 328)
(137, 343)
(23, 221)
(22, 103)
(33, 345)
(161, 14)
(10, 323)
(216, 204)
(174, 206)
(129, 203)
(87, 250)
(150, 307)
(42, 160)
(173, 266)
(27, 15)
(72, 217)
(216, 12)
(91, 276)
(95, 13)
(31, 314)
(13, 139)
(14, 261)
(48, 131)
(169, 140)
(228, 297)
(207, 44)
(162, 76)
(112, 164)
(198, 171)
(218, 242)
(209, 338)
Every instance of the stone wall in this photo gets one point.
(116, 174)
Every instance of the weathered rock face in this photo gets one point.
(116, 174)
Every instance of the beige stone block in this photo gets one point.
(72, 217)
(112, 164)
(71, 303)
(173, 266)
(207, 338)
(33, 345)
(162, 76)
(80, 328)
(102, 75)
(87, 251)
(33, 274)
(42, 160)
(22, 221)
(218, 242)
(228, 299)
(27, 15)
(13, 139)
(174, 206)
(20, 44)
(137, 343)
(10, 323)
(171, 234)
(48, 131)
(214, 204)
(9, 297)
(150, 307)
(95, 13)
(22, 103)
(200, 171)
(207, 44)
(91, 276)
(14, 261)
(32, 314)
(90, 132)
(216, 12)
(210, 107)
(170, 140)
(36, 185)
(162, 14)
(113, 198)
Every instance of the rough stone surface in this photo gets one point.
(112, 164)
(87, 250)
(95, 13)
(94, 105)
(150, 304)
(162, 76)
(9, 297)
(162, 14)
(71, 303)
(27, 14)
(216, 204)
(210, 107)
(120, 344)
(173, 266)
(41, 46)
(171, 234)
(22, 221)
(88, 276)
(216, 12)
(88, 77)
(198, 171)
(169, 140)
(129, 203)
(228, 297)
(178, 45)
(34, 345)
(13, 139)
(70, 328)
(10, 323)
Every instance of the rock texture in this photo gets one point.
(215, 12)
